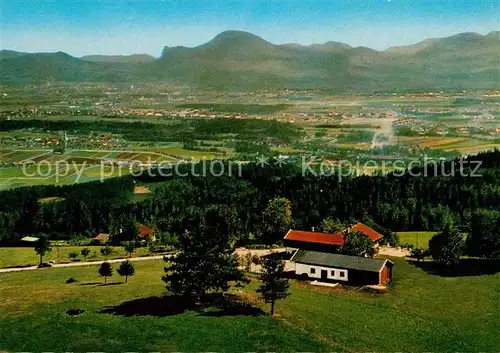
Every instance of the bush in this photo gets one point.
(158, 249)
(73, 312)
(71, 280)
(106, 251)
(85, 253)
(419, 254)
(80, 240)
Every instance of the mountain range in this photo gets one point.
(243, 61)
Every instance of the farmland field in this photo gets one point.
(134, 317)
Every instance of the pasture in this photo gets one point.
(42, 167)
(26, 256)
(419, 313)
(418, 239)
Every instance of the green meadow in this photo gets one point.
(418, 239)
(421, 312)
(12, 257)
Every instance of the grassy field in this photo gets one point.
(27, 256)
(420, 313)
(84, 165)
(419, 239)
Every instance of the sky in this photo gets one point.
(82, 27)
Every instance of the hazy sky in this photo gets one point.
(81, 27)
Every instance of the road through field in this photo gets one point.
(82, 263)
(239, 251)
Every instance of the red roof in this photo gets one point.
(313, 237)
(369, 232)
(144, 231)
(102, 236)
(332, 239)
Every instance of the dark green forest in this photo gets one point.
(388, 203)
(178, 130)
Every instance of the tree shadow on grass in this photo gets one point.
(101, 284)
(466, 268)
(215, 305)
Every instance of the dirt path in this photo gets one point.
(396, 252)
(82, 263)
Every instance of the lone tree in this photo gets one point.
(357, 244)
(447, 246)
(206, 261)
(274, 285)
(330, 225)
(129, 247)
(483, 239)
(126, 269)
(105, 270)
(106, 251)
(42, 246)
(85, 252)
(276, 219)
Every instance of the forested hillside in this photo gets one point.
(250, 202)
(243, 61)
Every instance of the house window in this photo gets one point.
(313, 270)
(332, 273)
(342, 273)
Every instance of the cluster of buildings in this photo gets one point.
(144, 234)
(317, 256)
(173, 113)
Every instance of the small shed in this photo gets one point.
(101, 237)
(146, 233)
(29, 239)
(368, 231)
(355, 270)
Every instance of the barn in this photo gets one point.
(101, 238)
(146, 233)
(326, 242)
(354, 270)
(314, 241)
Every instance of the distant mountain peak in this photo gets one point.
(235, 34)
(236, 37)
(241, 60)
(467, 36)
(494, 34)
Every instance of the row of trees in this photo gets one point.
(126, 269)
(43, 245)
(450, 244)
(180, 130)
